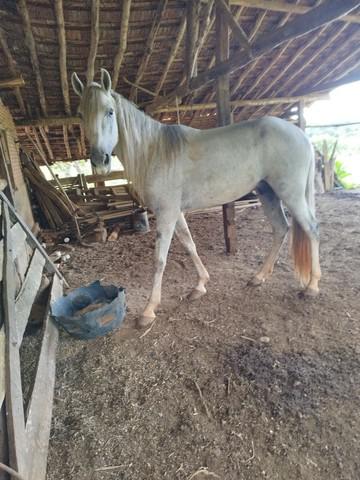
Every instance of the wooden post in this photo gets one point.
(224, 118)
(302, 122)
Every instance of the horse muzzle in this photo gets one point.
(100, 161)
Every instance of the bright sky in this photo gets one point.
(343, 107)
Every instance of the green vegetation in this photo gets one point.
(347, 165)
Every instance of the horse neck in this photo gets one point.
(138, 136)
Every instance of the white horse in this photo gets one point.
(175, 169)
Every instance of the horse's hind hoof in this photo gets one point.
(309, 293)
(144, 321)
(195, 295)
(255, 282)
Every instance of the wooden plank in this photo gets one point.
(28, 292)
(40, 406)
(49, 265)
(20, 258)
(14, 396)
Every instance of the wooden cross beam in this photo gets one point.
(10, 83)
(316, 17)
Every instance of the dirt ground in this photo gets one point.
(204, 389)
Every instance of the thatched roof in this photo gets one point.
(144, 42)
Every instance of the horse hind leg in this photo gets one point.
(275, 214)
(184, 236)
(305, 246)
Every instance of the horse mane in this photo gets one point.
(143, 141)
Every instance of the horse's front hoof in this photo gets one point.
(195, 295)
(144, 321)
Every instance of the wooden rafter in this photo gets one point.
(13, 69)
(94, 40)
(192, 34)
(30, 42)
(325, 13)
(149, 44)
(172, 56)
(62, 54)
(125, 17)
(237, 31)
(12, 83)
(66, 141)
(284, 6)
(47, 143)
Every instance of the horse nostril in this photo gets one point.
(92, 163)
(107, 159)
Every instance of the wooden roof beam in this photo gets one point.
(47, 143)
(59, 13)
(237, 31)
(94, 40)
(11, 83)
(125, 17)
(30, 42)
(315, 18)
(172, 56)
(284, 6)
(66, 141)
(149, 44)
(13, 69)
(192, 34)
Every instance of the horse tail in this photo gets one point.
(300, 241)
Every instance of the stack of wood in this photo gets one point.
(55, 206)
(80, 206)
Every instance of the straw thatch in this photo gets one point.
(146, 44)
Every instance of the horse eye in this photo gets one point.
(110, 112)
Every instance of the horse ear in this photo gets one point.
(77, 84)
(105, 80)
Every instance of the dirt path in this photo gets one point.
(203, 389)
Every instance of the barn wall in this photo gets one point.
(21, 197)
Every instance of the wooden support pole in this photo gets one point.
(30, 42)
(125, 17)
(47, 143)
(301, 108)
(66, 141)
(238, 32)
(224, 118)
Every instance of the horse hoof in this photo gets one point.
(144, 321)
(255, 282)
(195, 295)
(309, 293)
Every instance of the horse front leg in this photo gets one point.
(165, 225)
(183, 234)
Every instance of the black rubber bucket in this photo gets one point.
(92, 311)
(141, 221)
